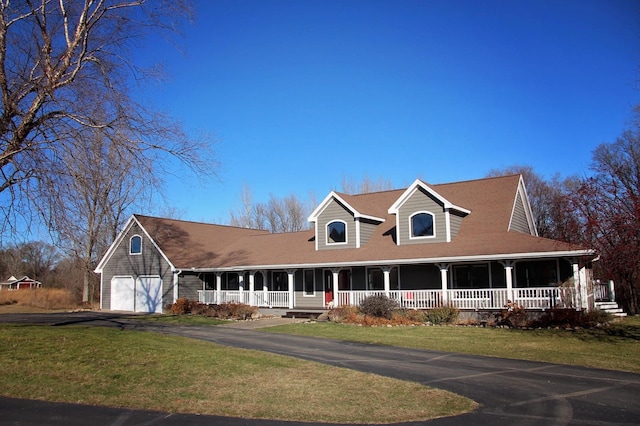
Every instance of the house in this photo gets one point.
(471, 244)
(14, 283)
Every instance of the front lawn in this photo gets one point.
(616, 347)
(144, 370)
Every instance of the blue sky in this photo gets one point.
(302, 93)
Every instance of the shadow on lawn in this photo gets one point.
(617, 331)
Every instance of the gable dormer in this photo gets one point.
(339, 224)
(424, 216)
(521, 214)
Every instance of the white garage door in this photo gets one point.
(148, 294)
(122, 294)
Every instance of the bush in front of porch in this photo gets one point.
(379, 306)
(379, 310)
(240, 311)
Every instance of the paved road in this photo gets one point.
(510, 391)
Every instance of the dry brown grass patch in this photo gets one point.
(41, 298)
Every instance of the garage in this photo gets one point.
(148, 294)
(122, 294)
(141, 295)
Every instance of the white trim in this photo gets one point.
(313, 217)
(101, 291)
(447, 224)
(433, 226)
(395, 207)
(357, 222)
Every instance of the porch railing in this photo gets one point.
(271, 299)
(604, 292)
(529, 298)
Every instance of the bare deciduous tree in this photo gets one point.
(366, 185)
(35, 259)
(608, 206)
(64, 67)
(86, 199)
(288, 214)
(73, 141)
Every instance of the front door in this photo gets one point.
(328, 287)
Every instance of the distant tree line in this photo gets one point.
(600, 211)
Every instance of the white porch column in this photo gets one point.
(508, 272)
(290, 284)
(387, 282)
(334, 279)
(218, 287)
(252, 297)
(265, 288)
(444, 280)
(241, 286)
(576, 283)
(175, 285)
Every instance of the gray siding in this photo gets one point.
(456, 221)
(301, 300)
(149, 263)
(417, 202)
(367, 228)
(188, 286)
(335, 211)
(519, 219)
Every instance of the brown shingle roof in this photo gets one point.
(193, 244)
(483, 234)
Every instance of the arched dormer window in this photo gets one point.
(422, 225)
(135, 245)
(336, 232)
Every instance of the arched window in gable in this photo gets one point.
(135, 245)
(422, 225)
(336, 232)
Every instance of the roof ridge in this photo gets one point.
(195, 222)
(475, 180)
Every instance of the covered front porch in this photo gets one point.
(559, 283)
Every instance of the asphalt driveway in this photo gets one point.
(509, 391)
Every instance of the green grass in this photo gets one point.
(111, 367)
(616, 347)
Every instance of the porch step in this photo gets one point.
(612, 308)
(304, 313)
